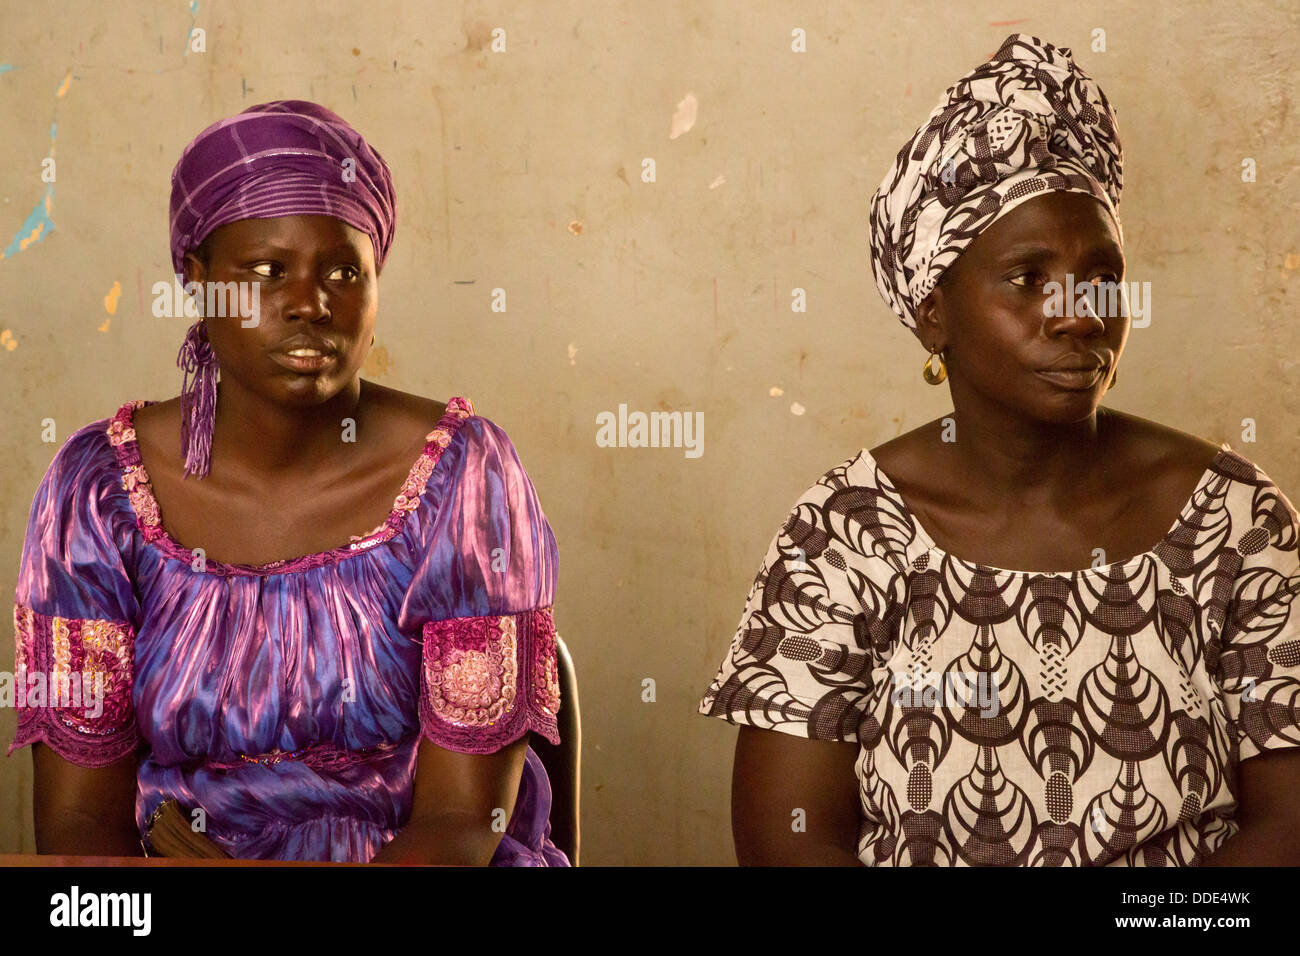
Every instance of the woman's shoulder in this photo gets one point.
(1177, 460)
(84, 475)
(87, 453)
(148, 424)
(408, 413)
(1159, 447)
(906, 465)
(406, 410)
(852, 488)
(454, 433)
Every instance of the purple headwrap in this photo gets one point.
(1027, 122)
(284, 158)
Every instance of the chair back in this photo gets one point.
(563, 763)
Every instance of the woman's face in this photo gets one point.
(989, 312)
(316, 282)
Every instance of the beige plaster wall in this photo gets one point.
(521, 170)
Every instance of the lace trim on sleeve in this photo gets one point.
(487, 681)
(73, 685)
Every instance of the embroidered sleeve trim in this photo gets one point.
(487, 681)
(73, 681)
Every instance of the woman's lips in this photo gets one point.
(1076, 380)
(303, 363)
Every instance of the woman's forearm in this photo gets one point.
(444, 839)
(1259, 844)
(76, 833)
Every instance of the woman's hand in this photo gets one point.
(172, 835)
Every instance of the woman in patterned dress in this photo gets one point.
(1036, 631)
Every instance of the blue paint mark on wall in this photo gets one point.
(38, 224)
(194, 12)
(37, 227)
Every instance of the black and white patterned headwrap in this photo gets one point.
(1026, 122)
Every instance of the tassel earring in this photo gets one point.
(198, 399)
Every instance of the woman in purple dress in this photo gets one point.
(301, 698)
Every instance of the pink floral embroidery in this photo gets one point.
(470, 669)
(108, 648)
(546, 677)
(419, 477)
(135, 480)
(370, 534)
(23, 639)
(64, 664)
(137, 487)
(490, 680)
(120, 430)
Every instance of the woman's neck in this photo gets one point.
(259, 437)
(1030, 463)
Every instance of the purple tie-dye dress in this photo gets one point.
(287, 700)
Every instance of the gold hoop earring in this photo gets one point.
(932, 376)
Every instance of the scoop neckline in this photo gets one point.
(1125, 565)
(135, 479)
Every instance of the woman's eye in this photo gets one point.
(270, 270)
(1027, 276)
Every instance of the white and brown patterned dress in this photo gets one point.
(1020, 718)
